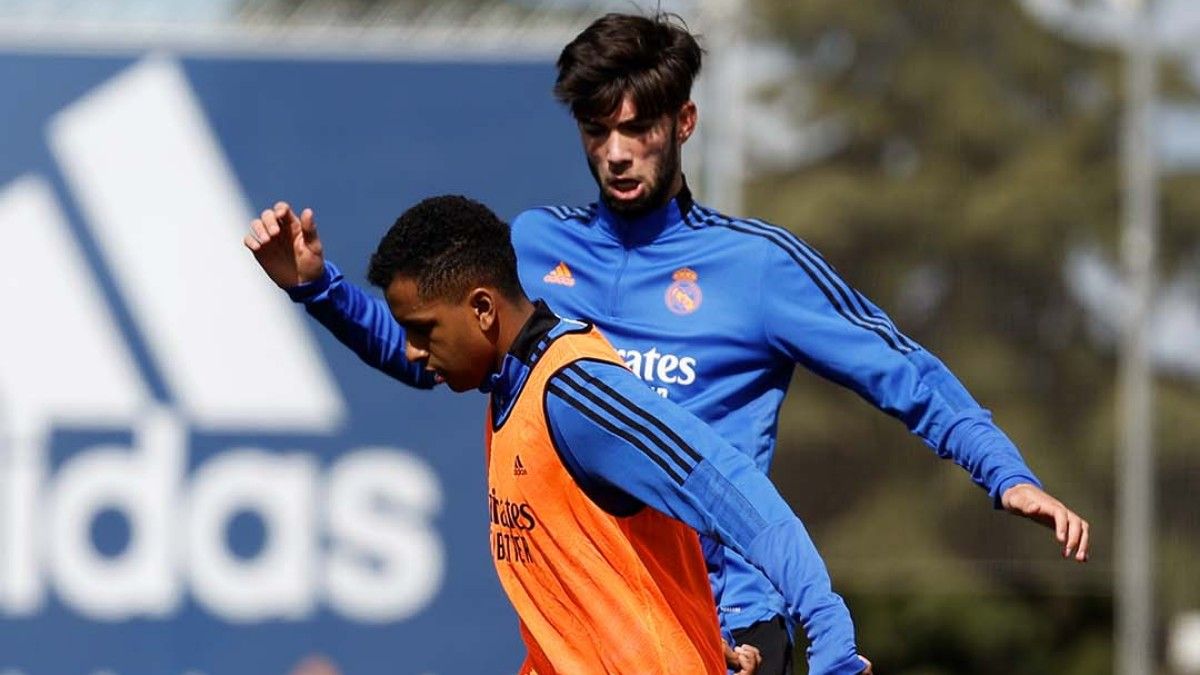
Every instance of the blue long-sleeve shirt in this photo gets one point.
(714, 313)
(628, 448)
(362, 322)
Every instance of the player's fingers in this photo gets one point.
(1084, 541)
(1074, 530)
(287, 218)
(259, 231)
(251, 243)
(868, 669)
(270, 222)
(731, 656)
(1060, 524)
(745, 659)
(751, 657)
(308, 222)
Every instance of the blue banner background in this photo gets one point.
(359, 142)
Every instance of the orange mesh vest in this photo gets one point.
(595, 593)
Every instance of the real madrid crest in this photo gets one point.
(683, 295)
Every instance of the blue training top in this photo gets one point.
(713, 313)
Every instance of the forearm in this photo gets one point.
(920, 391)
(812, 316)
(976, 444)
(791, 563)
(743, 510)
(361, 322)
(612, 430)
(945, 415)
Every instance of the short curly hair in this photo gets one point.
(653, 59)
(447, 245)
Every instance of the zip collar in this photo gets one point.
(505, 385)
(645, 228)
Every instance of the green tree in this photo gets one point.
(980, 152)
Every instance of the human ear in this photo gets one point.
(483, 305)
(686, 123)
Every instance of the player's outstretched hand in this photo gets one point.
(1034, 503)
(286, 246)
(743, 659)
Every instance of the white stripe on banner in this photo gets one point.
(169, 217)
(62, 357)
(61, 360)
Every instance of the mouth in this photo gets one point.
(625, 189)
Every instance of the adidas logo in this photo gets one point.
(561, 275)
(74, 367)
(519, 468)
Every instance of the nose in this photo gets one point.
(616, 150)
(414, 354)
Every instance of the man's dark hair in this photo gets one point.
(447, 245)
(654, 60)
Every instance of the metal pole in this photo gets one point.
(1135, 461)
(723, 112)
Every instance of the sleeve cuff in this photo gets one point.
(852, 666)
(317, 288)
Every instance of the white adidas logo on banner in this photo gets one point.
(166, 214)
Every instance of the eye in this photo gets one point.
(591, 129)
(418, 329)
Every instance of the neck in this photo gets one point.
(676, 186)
(513, 317)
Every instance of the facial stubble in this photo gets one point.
(663, 180)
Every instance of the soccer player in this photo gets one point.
(595, 483)
(712, 311)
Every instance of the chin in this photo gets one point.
(625, 206)
(652, 197)
(460, 384)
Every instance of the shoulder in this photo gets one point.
(580, 346)
(583, 356)
(533, 228)
(555, 214)
(775, 243)
(772, 238)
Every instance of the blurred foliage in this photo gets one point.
(981, 150)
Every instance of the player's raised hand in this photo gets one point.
(286, 246)
(743, 659)
(1034, 503)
